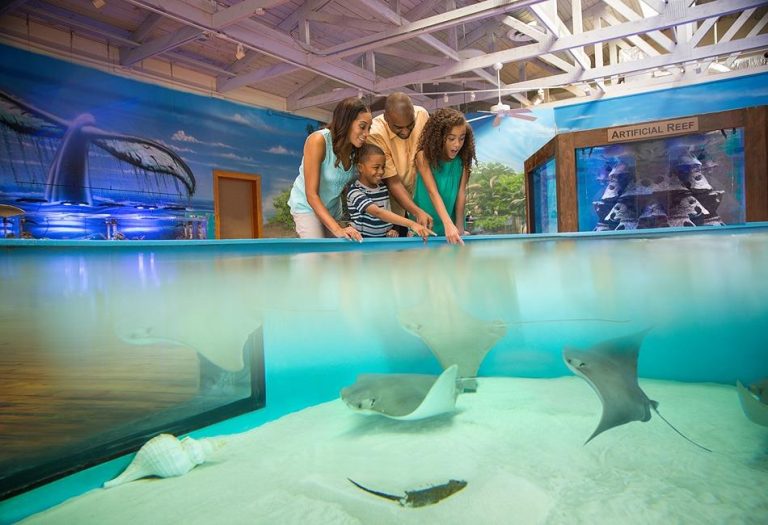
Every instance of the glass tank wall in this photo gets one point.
(100, 340)
(696, 180)
(544, 197)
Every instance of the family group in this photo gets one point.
(422, 161)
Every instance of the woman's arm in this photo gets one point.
(461, 201)
(451, 233)
(314, 155)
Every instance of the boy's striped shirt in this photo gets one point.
(359, 197)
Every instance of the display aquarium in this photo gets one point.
(599, 377)
(689, 172)
(696, 180)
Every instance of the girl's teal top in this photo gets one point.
(448, 178)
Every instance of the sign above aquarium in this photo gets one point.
(653, 129)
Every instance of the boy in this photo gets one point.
(368, 199)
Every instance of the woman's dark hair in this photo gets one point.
(344, 114)
(437, 128)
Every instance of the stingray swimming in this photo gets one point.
(610, 368)
(404, 396)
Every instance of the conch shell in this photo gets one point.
(166, 456)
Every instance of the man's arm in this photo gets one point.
(403, 197)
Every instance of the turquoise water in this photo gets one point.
(330, 310)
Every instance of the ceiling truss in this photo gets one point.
(306, 56)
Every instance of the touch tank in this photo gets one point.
(323, 314)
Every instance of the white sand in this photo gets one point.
(517, 442)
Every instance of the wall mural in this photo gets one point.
(89, 155)
(496, 189)
(722, 95)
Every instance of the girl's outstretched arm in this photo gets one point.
(425, 172)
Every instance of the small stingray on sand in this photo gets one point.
(754, 401)
(420, 498)
(610, 368)
(403, 396)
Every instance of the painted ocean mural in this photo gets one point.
(89, 155)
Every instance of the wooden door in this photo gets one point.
(237, 205)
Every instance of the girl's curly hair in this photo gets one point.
(437, 128)
(344, 115)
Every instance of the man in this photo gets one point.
(397, 133)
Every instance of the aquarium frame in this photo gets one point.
(27, 479)
(753, 120)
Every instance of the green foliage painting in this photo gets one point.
(496, 199)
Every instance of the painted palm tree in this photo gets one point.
(68, 176)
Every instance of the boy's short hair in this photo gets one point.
(368, 150)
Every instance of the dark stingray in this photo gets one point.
(610, 368)
(420, 498)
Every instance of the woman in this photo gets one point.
(328, 165)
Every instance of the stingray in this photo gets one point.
(754, 401)
(404, 396)
(610, 368)
(420, 498)
(454, 336)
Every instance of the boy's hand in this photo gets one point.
(393, 233)
(421, 231)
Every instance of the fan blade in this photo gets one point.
(480, 118)
(497, 120)
(529, 118)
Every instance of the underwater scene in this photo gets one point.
(578, 378)
(544, 197)
(694, 180)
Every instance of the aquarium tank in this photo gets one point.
(695, 180)
(543, 185)
(598, 377)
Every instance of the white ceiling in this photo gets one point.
(303, 57)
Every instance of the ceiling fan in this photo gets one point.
(500, 110)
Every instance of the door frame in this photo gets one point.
(255, 192)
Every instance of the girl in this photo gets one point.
(328, 165)
(443, 162)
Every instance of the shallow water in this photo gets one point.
(518, 443)
(330, 315)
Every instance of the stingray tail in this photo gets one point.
(375, 493)
(655, 406)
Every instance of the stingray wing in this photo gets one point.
(610, 368)
(145, 154)
(403, 396)
(27, 119)
(755, 411)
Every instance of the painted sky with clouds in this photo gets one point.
(513, 140)
(712, 97)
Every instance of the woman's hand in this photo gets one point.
(393, 233)
(452, 234)
(348, 233)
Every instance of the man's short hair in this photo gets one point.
(398, 102)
